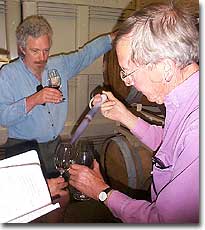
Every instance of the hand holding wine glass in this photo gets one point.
(84, 156)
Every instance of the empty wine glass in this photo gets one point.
(54, 79)
(63, 157)
(84, 156)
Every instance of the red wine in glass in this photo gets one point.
(54, 79)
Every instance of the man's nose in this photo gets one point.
(43, 55)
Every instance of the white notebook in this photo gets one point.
(24, 194)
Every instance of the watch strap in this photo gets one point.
(107, 190)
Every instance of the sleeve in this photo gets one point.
(85, 56)
(150, 135)
(10, 112)
(177, 201)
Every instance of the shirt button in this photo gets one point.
(49, 112)
(52, 125)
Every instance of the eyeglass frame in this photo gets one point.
(123, 75)
(159, 163)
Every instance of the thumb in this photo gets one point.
(96, 168)
(109, 95)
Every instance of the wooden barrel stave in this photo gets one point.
(131, 169)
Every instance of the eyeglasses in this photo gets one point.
(123, 75)
(159, 164)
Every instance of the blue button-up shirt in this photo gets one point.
(42, 123)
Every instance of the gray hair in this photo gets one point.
(162, 31)
(34, 26)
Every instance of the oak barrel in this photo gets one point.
(125, 166)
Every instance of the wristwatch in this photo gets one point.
(104, 195)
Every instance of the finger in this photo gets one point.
(96, 169)
(60, 179)
(108, 105)
(96, 166)
(75, 183)
(105, 110)
(63, 185)
(109, 95)
(97, 98)
(76, 166)
(51, 90)
(53, 98)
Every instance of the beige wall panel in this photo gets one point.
(2, 26)
(103, 3)
(101, 20)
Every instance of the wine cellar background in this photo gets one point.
(74, 23)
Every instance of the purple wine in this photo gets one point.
(56, 87)
(85, 158)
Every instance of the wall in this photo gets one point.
(74, 23)
(10, 16)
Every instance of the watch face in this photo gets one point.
(102, 196)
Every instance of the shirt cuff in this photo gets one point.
(109, 36)
(116, 202)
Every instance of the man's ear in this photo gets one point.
(168, 70)
(154, 78)
(150, 66)
(21, 50)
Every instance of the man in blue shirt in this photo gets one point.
(29, 109)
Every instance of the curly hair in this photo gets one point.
(34, 26)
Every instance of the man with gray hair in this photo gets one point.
(158, 51)
(28, 107)
(31, 110)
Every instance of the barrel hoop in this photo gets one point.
(140, 168)
(129, 162)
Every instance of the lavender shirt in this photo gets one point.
(177, 187)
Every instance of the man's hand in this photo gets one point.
(86, 180)
(57, 186)
(46, 95)
(115, 110)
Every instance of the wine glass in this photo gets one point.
(63, 157)
(54, 79)
(84, 156)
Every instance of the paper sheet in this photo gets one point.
(24, 192)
